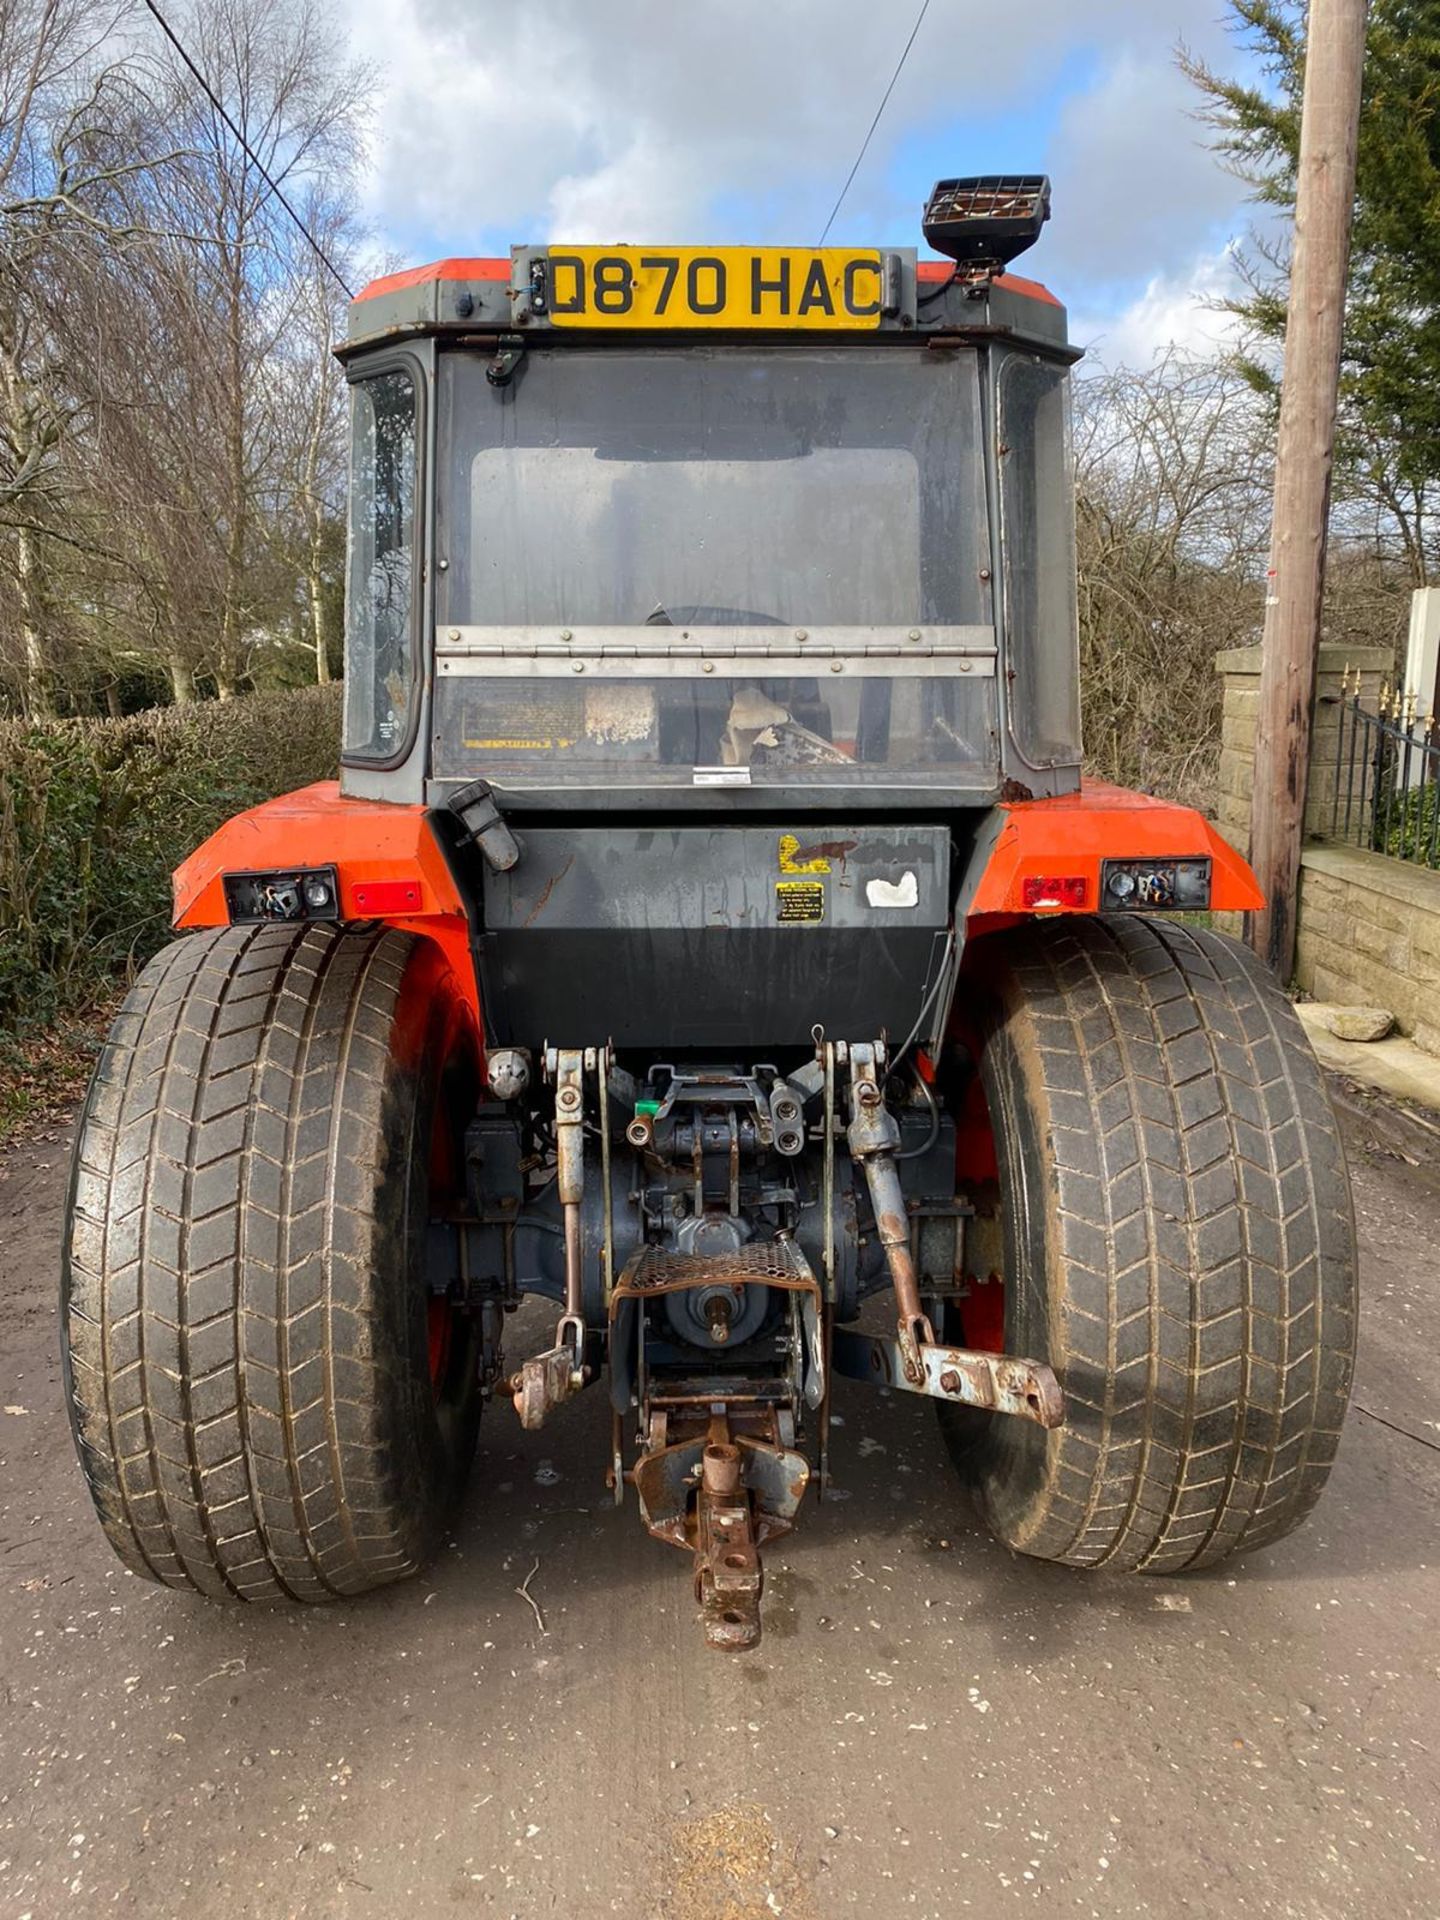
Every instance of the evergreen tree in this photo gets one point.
(1388, 447)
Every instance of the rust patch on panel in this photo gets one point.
(825, 850)
(543, 897)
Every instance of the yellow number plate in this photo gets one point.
(722, 287)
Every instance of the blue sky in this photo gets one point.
(725, 120)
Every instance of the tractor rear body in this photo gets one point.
(712, 724)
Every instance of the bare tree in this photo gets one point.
(1172, 472)
(1173, 476)
(170, 425)
(308, 395)
(66, 109)
(276, 67)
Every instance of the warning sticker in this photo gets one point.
(799, 901)
(793, 860)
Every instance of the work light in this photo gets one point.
(985, 220)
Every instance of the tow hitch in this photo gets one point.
(720, 1360)
(718, 1473)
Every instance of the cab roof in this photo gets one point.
(465, 296)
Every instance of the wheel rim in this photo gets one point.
(982, 1312)
(446, 1322)
(441, 1341)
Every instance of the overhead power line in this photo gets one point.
(254, 158)
(884, 102)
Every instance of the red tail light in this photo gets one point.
(1061, 890)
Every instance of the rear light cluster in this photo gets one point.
(1145, 886)
(302, 893)
(1126, 886)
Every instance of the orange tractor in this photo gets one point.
(711, 933)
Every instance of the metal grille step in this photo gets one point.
(774, 1263)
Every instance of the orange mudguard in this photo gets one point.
(1070, 836)
(388, 861)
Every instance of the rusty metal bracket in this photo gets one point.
(728, 1574)
(995, 1382)
(826, 1056)
(543, 1383)
(873, 1136)
(568, 1074)
(721, 1493)
(548, 1379)
(666, 1477)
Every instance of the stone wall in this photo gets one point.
(1367, 926)
(1239, 667)
(1369, 935)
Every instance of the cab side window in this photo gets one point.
(380, 677)
(1037, 511)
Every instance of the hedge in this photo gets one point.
(96, 814)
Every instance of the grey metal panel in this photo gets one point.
(1029, 316)
(715, 936)
(651, 877)
(433, 305)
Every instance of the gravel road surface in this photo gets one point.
(930, 1727)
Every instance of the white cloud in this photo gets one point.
(641, 120)
(1140, 184)
(1177, 309)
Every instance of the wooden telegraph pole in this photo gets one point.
(1325, 189)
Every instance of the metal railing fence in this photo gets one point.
(1387, 777)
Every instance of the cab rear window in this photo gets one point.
(792, 730)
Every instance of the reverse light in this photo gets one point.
(1150, 886)
(1061, 890)
(305, 893)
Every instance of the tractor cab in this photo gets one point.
(631, 527)
(645, 540)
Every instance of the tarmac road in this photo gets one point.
(930, 1726)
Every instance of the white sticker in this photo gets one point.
(904, 892)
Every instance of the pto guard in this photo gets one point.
(1073, 835)
(389, 863)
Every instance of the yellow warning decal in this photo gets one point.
(792, 860)
(798, 902)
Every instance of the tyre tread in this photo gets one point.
(222, 1349)
(1202, 1219)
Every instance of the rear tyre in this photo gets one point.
(1179, 1245)
(248, 1333)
